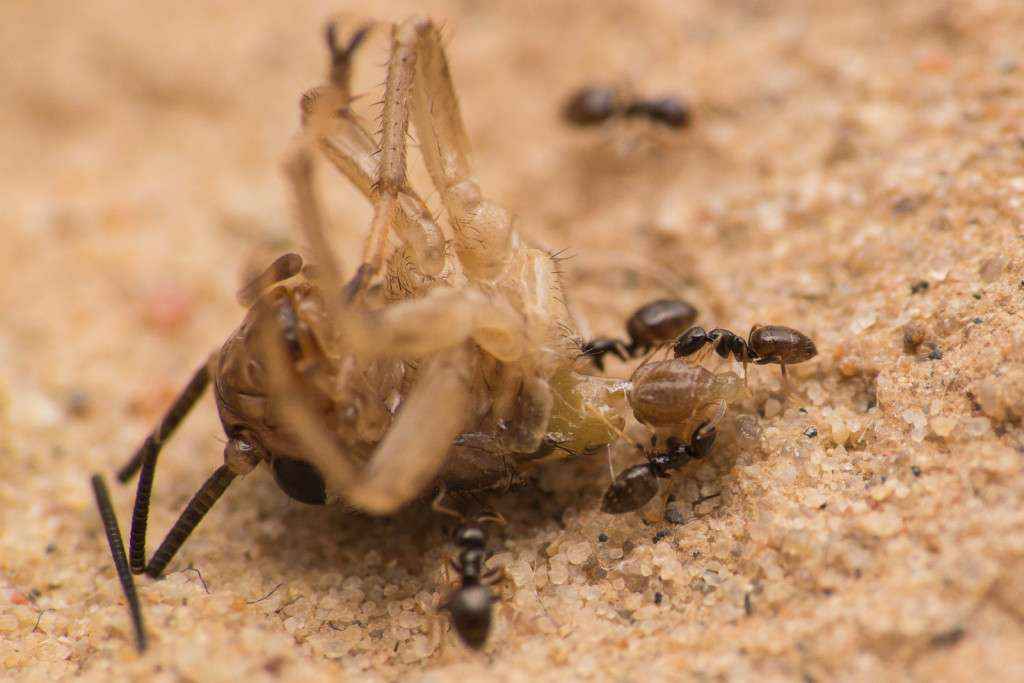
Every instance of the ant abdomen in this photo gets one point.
(631, 490)
(590, 106)
(655, 323)
(658, 322)
(779, 344)
(470, 609)
(670, 392)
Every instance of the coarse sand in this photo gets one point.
(854, 170)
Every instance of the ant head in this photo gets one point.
(470, 536)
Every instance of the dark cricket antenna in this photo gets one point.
(205, 497)
(120, 559)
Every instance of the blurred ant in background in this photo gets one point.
(594, 105)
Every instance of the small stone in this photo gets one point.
(942, 426)
(977, 427)
(992, 268)
(811, 432)
(520, 572)
(881, 524)
(918, 423)
(602, 537)
(557, 573)
(840, 432)
(578, 553)
(772, 408)
(862, 321)
(919, 286)
(914, 333)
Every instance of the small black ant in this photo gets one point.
(765, 344)
(593, 105)
(470, 603)
(657, 322)
(635, 486)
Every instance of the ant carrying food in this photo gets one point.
(765, 344)
(653, 324)
(594, 105)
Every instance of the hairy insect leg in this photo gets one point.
(342, 138)
(419, 78)
(442, 319)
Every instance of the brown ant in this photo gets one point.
(594, 105)
(765, 344)
(657, 322)
(634, 487)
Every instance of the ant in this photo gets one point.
(470, 603)
(657, 322)
(593, 105)
(634, 487)
(765, 344)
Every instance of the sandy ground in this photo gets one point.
(855, 170)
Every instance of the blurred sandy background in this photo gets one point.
(856, 170)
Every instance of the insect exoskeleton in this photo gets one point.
(671, 394)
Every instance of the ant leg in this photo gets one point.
(787, 388)
(442, 319)
(718, 412)
(493, 576)
(116, 542)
